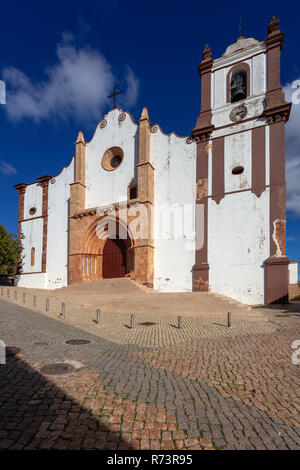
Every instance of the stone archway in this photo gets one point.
(106, 257)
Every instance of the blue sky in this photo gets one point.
(61, 59)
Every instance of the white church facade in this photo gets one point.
(213, 202)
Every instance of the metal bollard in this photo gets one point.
(179, 323)
(15, 295)
(98, 316)
(34, 300)
(63, 309)
(131, 321)
(229, 319)
(47, 305)
(24, 297)
(8, 293)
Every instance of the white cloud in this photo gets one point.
(75, 87)
(293, 154)
(132, 89)
(7, 168)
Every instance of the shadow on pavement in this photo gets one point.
(36, 414)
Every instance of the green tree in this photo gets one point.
(10, 252)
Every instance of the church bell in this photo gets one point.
(238, 87)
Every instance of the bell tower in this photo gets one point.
(240, 172)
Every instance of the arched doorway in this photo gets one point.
(103, 257)
(114, 259)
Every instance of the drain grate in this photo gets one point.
(12, 350)
(148, 323)
(78, 342)
(58, 368)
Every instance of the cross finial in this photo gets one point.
(113, 95)
(240, 28)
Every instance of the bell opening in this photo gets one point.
(238, 87)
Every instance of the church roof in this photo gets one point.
(240, 45)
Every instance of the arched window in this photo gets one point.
(238, 86)
(32, 261)
(238, 82)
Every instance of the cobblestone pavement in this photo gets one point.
(229, 392)
(163, 332)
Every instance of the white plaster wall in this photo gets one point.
(33, 238)
(33, 198)
(58, 228)
(219, 85)
(293, 273)
(254, 105)
(238, 244)
(238, 152)
(174, 179)
(258, 74)
(33, 281)
(102, 186)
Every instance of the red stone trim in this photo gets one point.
(200, 270)
(277, 180)
(32, 218)
(21, 188)
(277, 113)
(44, 182)
(238, 191)
(241, 66)
(201, 135)
(33, 272)
(218, 183)
(276, 280)
(258, 160)
(275, 99)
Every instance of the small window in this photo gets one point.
(82, 265)
(87, 266)
(237, 170)
(112, 158)
(133, 192)
(91, 265)
(238, 86)
(32, 260)
(32, 211)
(115, 161)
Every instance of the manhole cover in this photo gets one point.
(148, 323)
(12, 350)
(58, 369)
(78, 341)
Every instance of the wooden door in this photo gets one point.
(114, 259)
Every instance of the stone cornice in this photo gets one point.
(93, 211)
(278, 113)
(21, 187)
(44, 180)
(274, 40)
(202, 134)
